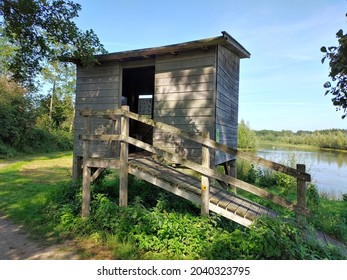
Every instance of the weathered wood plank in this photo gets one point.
(179, 112)
(185, 61)
(97, 86)
(252, 212)
(101, 137)
(98, 79)
(193, 91)
(171, 183)
(86, 191)
(97, 100)
(188, 121)
(166, 185)
(123, 169)
(205, 182)
(230, 215)
(190, 78)
(212, 144)
(103, 162)
(214, 174)
(98, 71)
(182, 104)
(86, 181)
(96, 93)
(208, 142)
(182, 73)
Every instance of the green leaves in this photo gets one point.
(44, 30)
(339, 34)
(337, 57)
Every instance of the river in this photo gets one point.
(328, 169)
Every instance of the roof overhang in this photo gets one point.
(225, 40)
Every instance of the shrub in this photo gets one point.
(6, 151)
(177, 232)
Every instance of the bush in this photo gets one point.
(246, 137)
(6, 151)
(168, 230)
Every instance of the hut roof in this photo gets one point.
(226, 40)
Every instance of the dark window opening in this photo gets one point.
(138, 94)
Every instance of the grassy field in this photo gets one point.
(37, 192)
(25, 186)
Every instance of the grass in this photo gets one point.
(37, 192)
(25, 186)
(264, 143)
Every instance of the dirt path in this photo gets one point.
(16, 245)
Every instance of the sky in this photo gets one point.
(281, 84)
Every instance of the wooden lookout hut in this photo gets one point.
(143, 112)
(193, 86)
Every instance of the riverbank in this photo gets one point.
(276, 144)
(335, 139)
(328, 168)
(38, 194)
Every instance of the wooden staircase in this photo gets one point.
(204, 191)
(153, 168)
(222, 202)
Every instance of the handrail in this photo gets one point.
(113, 114)
(124, 138)
(165, 155)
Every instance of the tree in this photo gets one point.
(43, 30)
(338, 72)
(7, 52)
(246, 136)
(57, 109)
(16, 117)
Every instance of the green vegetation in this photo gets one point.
(20, 130)
(157, 225)
(35, 38)
(325, 139)
(246, 137)
(337, 56)
(34, 122)
(44, 31)
(329, 216)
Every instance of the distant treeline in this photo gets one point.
(328, 138)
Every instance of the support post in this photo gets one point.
(301, 189)
(230, 170)
(205, 184)
(123, 170)
(86, 191)
(86, 172)
(233, 173)
(76, 167)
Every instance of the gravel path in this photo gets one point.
(16, 245)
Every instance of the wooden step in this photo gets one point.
(222, 202)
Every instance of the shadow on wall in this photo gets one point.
(184, 99)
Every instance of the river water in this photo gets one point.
(328, 169)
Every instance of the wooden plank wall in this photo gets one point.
(184, 98)
(97, 88)
(227, 99)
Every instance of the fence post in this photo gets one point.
(205, 184)
(301, 189)
(123, 170)
(86, 172)
(233, 173)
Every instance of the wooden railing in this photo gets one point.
(204, 168)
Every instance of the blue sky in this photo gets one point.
(281, 85)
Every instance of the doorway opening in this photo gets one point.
(138, 94)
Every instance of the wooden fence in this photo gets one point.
(202, 168)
